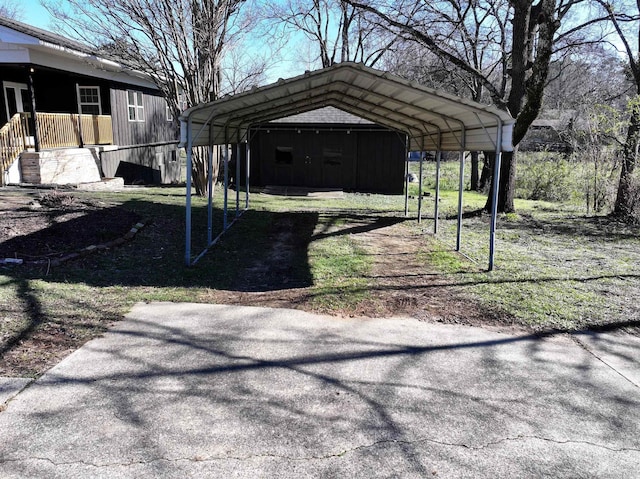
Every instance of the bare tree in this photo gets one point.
(241, 70)
(521, 37)
(180, 44)
(593, 76)
(472, 32)
(338, 31)
(624, 18)
(11, 9)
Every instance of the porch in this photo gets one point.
(50, 131)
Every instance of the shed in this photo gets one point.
(328, 148)
(431, 120)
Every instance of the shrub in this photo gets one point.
(57, 199)
(546, 176)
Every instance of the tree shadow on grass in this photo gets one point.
(248, 258)
(263, 251)
(32, 308)
(601, 227)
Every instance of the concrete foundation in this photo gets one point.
(62, 167)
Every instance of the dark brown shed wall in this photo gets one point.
(381, 157)
(365, 161)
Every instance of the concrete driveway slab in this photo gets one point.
(618, 350)
(192, 390)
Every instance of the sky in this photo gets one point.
(35, 14)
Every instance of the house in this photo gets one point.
(552, 132)
(71, 114)
(328, 148)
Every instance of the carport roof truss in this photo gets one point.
(433, 120)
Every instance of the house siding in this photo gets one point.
(55, 91)
(142, 165)
(154, 129)
(14, 75)
(137, 162)
(143, 151)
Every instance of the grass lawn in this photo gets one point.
(555, 267)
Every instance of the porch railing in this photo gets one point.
(59, 130)
(55, 130)
(13, 141)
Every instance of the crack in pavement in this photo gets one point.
(588, 350)
(327, 456)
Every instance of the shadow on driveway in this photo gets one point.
(186, 389)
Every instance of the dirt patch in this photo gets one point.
(36, 226)
(53, 224)
(400, 284)
(283, 263)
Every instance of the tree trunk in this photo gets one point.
(199, 171)
(507, 185)
(487, 170)
(624, 204)
(475, 162)
(199, 176)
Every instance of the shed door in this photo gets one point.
(332, 162)
(307, 162)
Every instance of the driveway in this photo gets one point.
(193, 390)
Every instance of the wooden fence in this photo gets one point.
(59, 130)
(13, 141)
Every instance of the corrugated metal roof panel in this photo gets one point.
(433, 120)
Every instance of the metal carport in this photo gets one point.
(432, 121)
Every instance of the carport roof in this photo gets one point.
(433, 120)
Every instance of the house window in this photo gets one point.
(169, 113)
(135, 106)
(89, 97)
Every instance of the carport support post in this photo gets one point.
(248, 164)
(236, 182)
(436, 209)
(494, 196)
(210, 194)
(187, 235)
(406, 184)
(226, 185)
(460, 193)
(420, 182)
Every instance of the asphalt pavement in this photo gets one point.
(194, 390)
